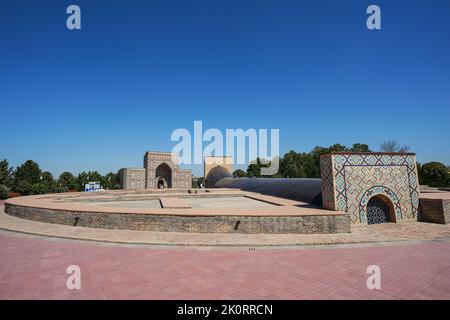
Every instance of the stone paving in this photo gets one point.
(173, 203)
(81, 202)
(414, 259)
(35, 268)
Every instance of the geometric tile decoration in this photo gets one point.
(377, 211)
(351, 180)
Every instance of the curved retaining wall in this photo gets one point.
(307, 224)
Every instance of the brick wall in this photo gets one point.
(435, 211)
(132, 178)
(338, 223)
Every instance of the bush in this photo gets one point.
(23, 187)
(434, 174)
(3, 192)
(238, 173)
(67, 181)
(39, 188)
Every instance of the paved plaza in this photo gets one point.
(414, 260)
(35, 268)
(380, 233)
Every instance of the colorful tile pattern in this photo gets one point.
(350, 180)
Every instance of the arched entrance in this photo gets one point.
(161, 183)
(380, 210)
(386, 195)
(163, 176)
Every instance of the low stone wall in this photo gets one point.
(434, 210)
(308, 224)
(188, 195)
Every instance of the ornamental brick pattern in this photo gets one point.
(146, 178)
(350, 180)
(132, 178)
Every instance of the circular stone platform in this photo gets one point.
(196, 211)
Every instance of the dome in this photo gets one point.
(215, 175)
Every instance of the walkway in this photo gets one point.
(35, 268)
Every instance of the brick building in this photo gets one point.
(160, 171)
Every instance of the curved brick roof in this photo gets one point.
(299, 189)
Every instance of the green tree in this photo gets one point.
(448, 177)
(25, 176)
(46, 177)
(47, 180)
(301, 165)
(360, 147)
(3, 192)
(290, 165)
(110, 181)
(40, 188)
(86, 177)
(254, 168)
(337, 148)
(5, 173)
(239, 173)
(311, 165)
(435, 174)
(5, 178)
(68, 181)
(24, 187)
(197, 182)
(55, 186)
(28, 171)
(307, 165)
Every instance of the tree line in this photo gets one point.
(28, 179)
(307, 164)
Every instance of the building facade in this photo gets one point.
(161, 171)
(371, 187)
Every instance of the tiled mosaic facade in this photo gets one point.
(137, 179)
(350, 180)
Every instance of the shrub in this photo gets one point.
(435, 174)
(3, 192)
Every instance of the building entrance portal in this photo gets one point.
(161, 183)
(163, 176)
(378, 211)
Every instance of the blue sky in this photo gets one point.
(97, 98)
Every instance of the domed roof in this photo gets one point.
(215, 175)
(305, 190)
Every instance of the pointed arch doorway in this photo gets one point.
(163, 176)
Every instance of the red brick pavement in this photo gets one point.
(34, 268)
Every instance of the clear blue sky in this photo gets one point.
(97, 98)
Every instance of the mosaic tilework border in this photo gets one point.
(401, 186)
